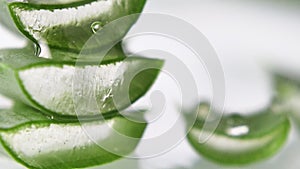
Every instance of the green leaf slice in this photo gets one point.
(40, 143)
(49, 2)
(20, 115)
(6, 19)
(57, 87)
(70, 26)
(242, 139)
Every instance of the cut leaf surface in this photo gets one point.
(48, 2)
(42, 144)
(70, 26)
(54, 86)
(242, 140)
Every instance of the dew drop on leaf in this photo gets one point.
(37, 49)
(236, 126)
(96, 26)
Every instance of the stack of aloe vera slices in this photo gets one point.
(42, 130)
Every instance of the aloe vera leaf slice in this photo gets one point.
(50, 86)
(70, 26)
(11, 60)
(20, 115)
(242, 140)
(6, 19)
(99, 82)
(49, 2)
(43, 144)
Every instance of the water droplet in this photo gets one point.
(236, 126)
(238, 130)
(37, 49)
(96, 26)
(43, 51)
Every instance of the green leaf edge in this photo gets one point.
(71, 118)
(48, 122)
(20, 26)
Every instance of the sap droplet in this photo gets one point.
(236, 126)
(43, 51)
(96, 26)
(37, 50)
(238, 130)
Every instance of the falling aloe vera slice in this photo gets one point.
(57, 87)
(242, 139)
(70, 26)
(37, 142)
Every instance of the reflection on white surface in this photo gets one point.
(246, 36)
